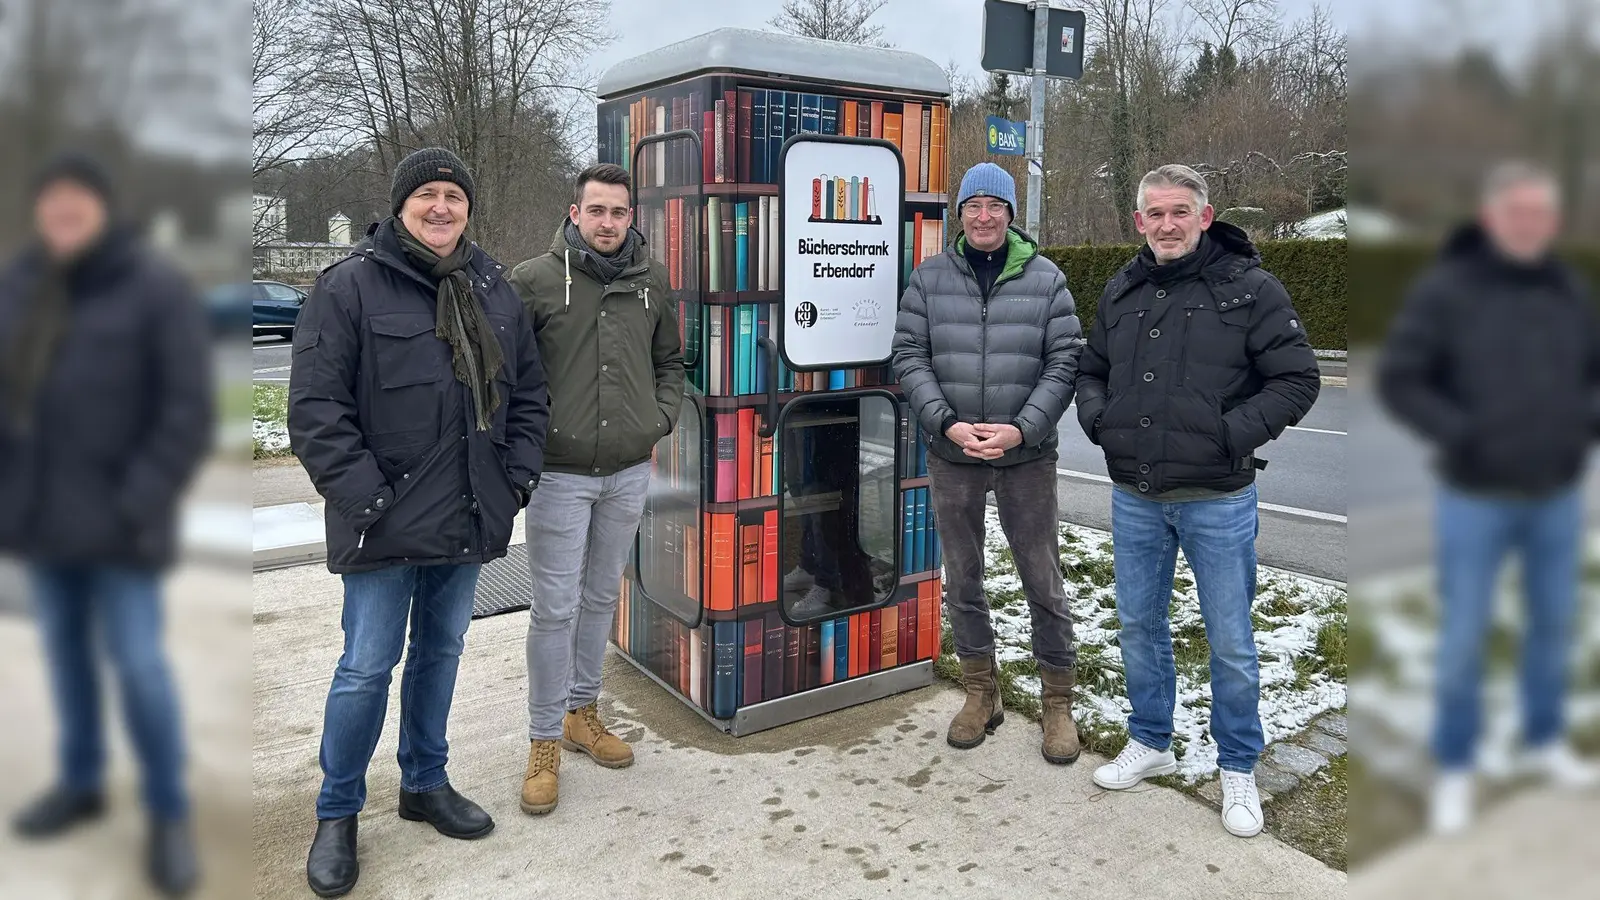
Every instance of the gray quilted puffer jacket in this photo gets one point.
(1010, 359)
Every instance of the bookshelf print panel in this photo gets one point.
(700, 606)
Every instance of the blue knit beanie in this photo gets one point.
(988, 180)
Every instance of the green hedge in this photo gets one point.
(1382, 274)
(1315, 273)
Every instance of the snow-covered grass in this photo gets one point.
(269, 425)
(1299, 630)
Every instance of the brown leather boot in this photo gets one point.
(1060, 732)
(540, 786)
(583, 731)
(983, 712)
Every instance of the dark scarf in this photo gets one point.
(42, 324)
(605, 268)
(1181, 268)
(474, 349)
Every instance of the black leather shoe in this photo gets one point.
(449, 812)
(57, 812)
(331, 867)
(173, 868)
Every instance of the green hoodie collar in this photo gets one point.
(1019, 249)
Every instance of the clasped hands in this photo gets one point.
(983, 440)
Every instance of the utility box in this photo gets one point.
(787, 564)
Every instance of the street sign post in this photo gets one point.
(1006, 137)
(1032, 38)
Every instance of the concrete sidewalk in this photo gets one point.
(866, 802)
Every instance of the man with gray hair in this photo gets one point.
(1512, 441)
(1196, 359)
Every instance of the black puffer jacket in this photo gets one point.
(124, 416)
(1005, 358)
(1181, 382)
(386, 431)
(1498, 364)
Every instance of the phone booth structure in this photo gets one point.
(787, 563)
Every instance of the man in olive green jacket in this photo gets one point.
(608, 335)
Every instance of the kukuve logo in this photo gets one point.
(805, 315)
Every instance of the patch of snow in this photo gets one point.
(1101, 697)
(272, 436)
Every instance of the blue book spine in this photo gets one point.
(741, 246)
(758, 136)
(855, 199)
(907, 548)
(810, 113)
(830, 115)
(921, 560)
(725, 674)
(836, 380)
(775, 114)
(792, 107)
(841, 649)
(745, 349)
(825, 652)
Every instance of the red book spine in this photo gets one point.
(727, 454)
(747, 452)
(769, 556)
(746, 110)
(816, 198)
(708, 146)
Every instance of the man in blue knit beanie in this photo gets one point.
(986, 347)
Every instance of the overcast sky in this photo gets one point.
(941, 30)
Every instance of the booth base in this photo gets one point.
(807, 704)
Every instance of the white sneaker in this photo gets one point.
(798, 580)
(1134, 764)
(1241, 804)
(1450, 807)
(1562, 766)
(816, 601)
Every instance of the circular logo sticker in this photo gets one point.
(805, 315)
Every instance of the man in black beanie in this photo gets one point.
(417, 405)
(105, 415)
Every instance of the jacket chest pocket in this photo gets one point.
(411, 366)
(1123, 337)
(1217, 326)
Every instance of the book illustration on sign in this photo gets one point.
(843, 201)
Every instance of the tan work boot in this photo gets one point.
(983, 712)
(583, 731)
(540, 787)
(1060, 732)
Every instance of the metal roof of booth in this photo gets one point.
(771, 54)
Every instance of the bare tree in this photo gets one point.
(487, 78)
(832, 20)
(1236, 24)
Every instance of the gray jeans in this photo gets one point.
(1025, 495)
(580, 532)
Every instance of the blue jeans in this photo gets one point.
(1218, 538)
(124, 606)
(1475, 535)
(438, 602)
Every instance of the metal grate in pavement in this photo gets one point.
(503, 585)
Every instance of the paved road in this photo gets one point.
(1302, 489)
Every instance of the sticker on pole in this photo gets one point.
(1068, 39)
(842, 244)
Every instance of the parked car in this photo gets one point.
(275, 307)
(228, 306)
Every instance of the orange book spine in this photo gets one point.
(911, 144)
(747, 452)
(890, 631)
(916, 240)
(750, 554)
(877, 119)
(722, 561)
(769, 556)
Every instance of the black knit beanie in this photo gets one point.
(423, 166)
(79, 168)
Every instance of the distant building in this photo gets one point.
(271, 218)
(303, 259)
